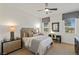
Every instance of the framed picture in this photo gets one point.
(55, 27)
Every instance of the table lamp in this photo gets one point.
(12, 29)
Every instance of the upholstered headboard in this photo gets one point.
(27, 32)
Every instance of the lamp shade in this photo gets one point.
(12, 28)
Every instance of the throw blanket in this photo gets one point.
(35, 44)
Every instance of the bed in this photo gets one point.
(38, 44)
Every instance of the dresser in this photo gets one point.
(8, 47)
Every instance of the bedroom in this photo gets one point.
(16, 16)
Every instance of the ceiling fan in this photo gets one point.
(46, 9)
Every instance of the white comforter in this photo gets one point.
(44, 44)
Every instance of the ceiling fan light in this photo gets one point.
(46, 9)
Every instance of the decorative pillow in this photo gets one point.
(34, 32)
(30, 34)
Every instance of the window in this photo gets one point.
(45, 22)
(70, 25)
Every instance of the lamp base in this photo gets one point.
(11, 36)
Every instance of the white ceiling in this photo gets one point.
(31, 8)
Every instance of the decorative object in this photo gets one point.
(55, 27)
(53, 35)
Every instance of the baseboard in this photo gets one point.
(67, 43)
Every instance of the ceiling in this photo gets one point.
(31, 8)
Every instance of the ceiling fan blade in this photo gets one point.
(52, 8)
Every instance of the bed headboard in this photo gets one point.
(27, 32)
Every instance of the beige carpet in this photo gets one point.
(56, 49)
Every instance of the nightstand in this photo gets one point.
(56, 38)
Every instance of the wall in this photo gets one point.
(31, 22)
(10, 15)
(66, 37)
(77, 27)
